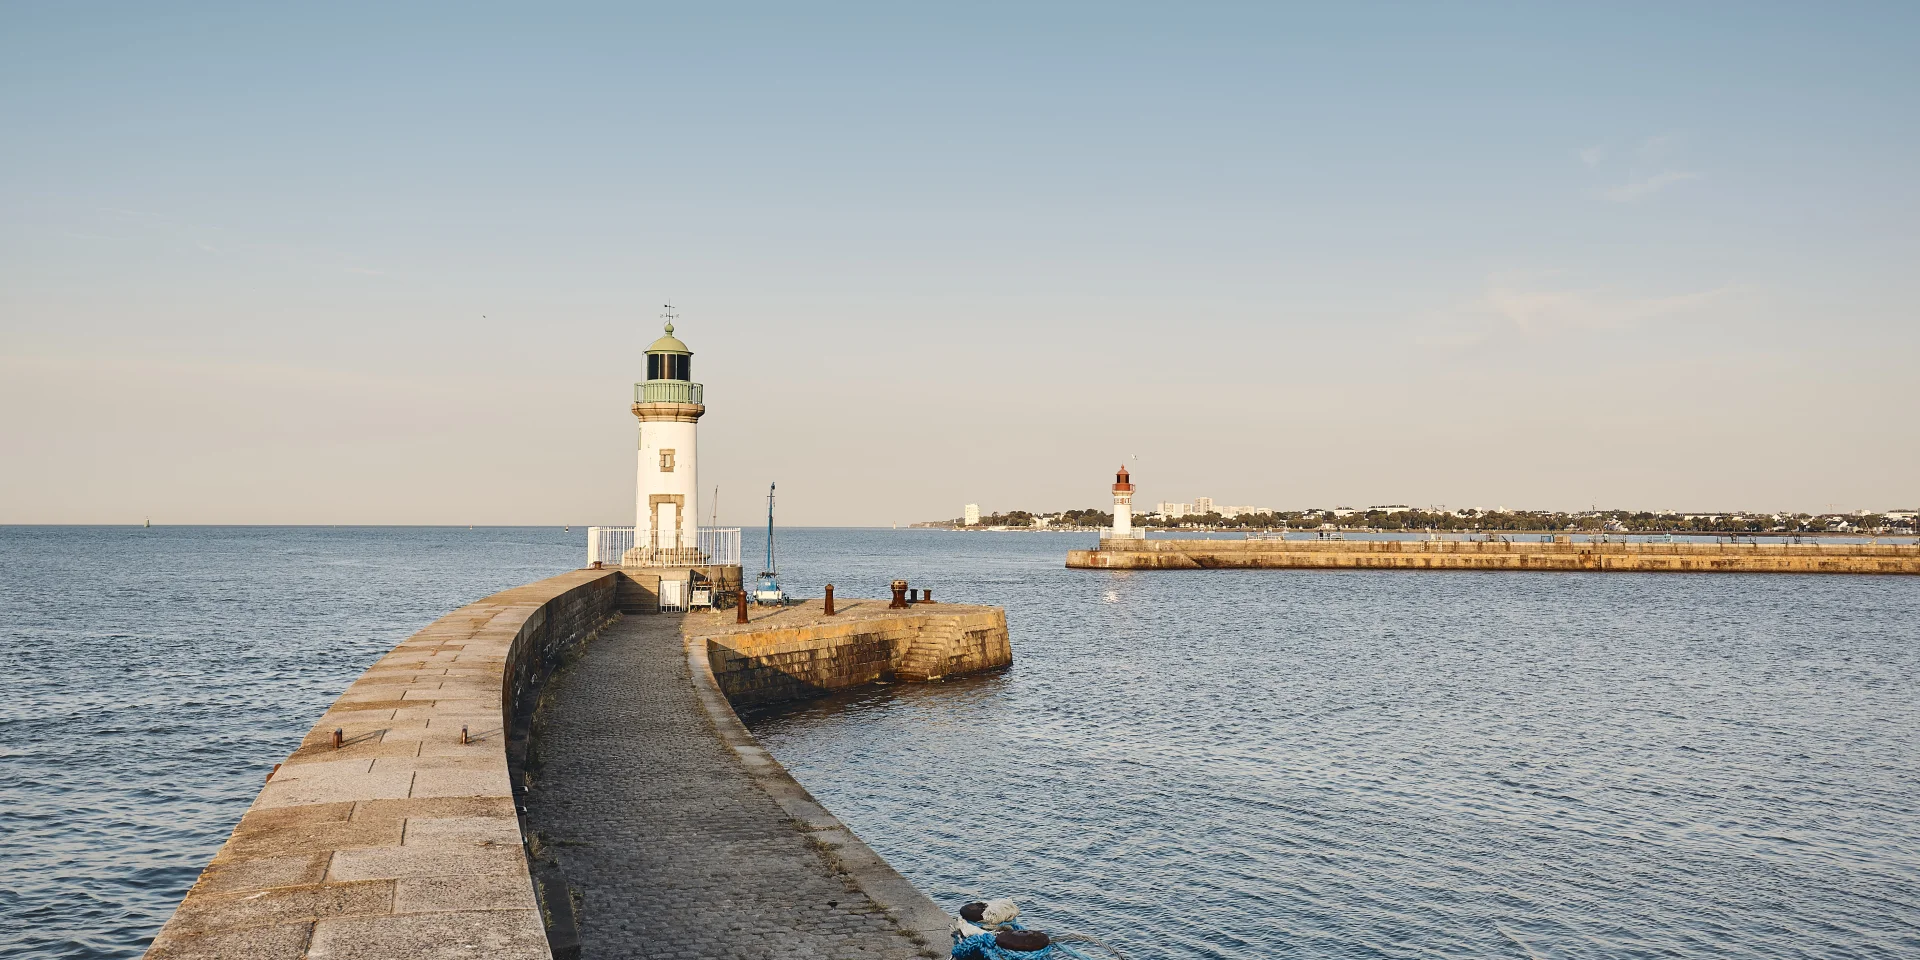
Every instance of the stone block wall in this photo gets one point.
(403, 840)
(798, 652)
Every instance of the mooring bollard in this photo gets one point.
(829, 604)
(599, 564)
(270, 773)
(926, 596)
(337, 733)
(463, 733)
(741, 605)
(899, 596)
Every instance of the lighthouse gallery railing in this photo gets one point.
(615, 547)
(668, 391)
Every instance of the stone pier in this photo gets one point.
(671, 845)
(796, 652)
(537, 776)
(392, 830)
(678, 835)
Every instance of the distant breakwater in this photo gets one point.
(1196, 554)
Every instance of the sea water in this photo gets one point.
(1394, 764)
(1185, 764)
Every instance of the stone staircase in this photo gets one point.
(927, 654)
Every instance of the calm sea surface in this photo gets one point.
(1206, 764)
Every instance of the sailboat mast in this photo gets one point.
(770, 567)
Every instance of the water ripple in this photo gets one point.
(146, 697)
(1218, 764)
(1358, 764)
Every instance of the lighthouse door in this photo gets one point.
(665, 529)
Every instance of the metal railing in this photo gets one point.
(673, 596)
(615, 547)
(1136, 533)
(668, 391)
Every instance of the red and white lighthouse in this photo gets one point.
(1122, 505)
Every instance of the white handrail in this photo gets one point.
(616, 547)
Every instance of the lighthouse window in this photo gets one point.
(669, 366)
(666, 461)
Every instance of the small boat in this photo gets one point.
(991, 930)
(767, 591)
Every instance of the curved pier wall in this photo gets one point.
(798, 652)
(403, 841)
(1178, 554)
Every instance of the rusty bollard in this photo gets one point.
(741, 605)
(337, 735)
(899, 596)
(599, 564)
(463, 733)
(926, 596)
(829, 604)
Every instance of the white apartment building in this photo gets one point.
(1241, 511)
(1174, 511)
(972, 515)
(1204, 505)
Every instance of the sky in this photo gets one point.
(397, 263)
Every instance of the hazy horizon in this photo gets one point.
(378, 266)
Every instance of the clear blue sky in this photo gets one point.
(396, 263)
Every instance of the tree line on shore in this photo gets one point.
(1622, 521)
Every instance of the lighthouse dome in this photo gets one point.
(669, 344)
(669, 359)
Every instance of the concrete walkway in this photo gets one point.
(674, 847)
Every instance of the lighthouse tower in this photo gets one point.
(1122, 505)
(667, 492)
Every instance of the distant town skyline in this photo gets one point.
(1203, 506)
(398, 265)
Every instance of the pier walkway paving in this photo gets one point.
(674, 847)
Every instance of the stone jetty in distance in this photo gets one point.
(1125, 547)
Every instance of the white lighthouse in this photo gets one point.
(667, 490)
